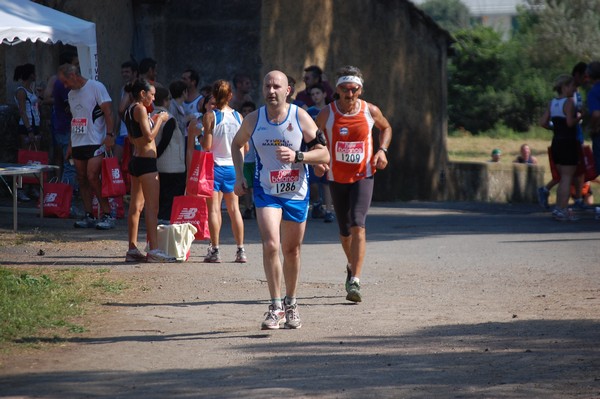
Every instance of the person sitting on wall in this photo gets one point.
(495, 155)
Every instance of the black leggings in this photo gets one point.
(140, 166)
(351, 202)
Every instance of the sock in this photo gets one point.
(354, 280)
(276, 303)
(289, 301)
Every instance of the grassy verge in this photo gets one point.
(43, 304)
(464, 147)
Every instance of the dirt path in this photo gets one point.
(460, 301)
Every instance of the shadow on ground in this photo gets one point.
(440, 361)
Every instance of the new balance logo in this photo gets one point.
(188, 213)
(50, 197)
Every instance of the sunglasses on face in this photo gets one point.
(352, 90)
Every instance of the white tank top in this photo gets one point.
(275, 177)
(226, 125)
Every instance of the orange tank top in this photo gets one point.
(350, 143)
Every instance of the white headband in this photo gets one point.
(349, 79)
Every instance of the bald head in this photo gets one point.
(277, 76)
(275, 88)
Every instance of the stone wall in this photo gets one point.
(401, 52)
(492, 182)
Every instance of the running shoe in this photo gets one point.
(273, 318)
(158, 256)
(87, 222)
(353, 290)
(213, 256)
(240, 256)
(543, 195)
(134, 255)
(106, 223)
(564, 215)
(348, 276)
(317, 211)
(328, 217)
(292, 317)
(579, 205)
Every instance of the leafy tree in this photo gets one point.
(451, 15)
(566, 31)
(476, 96)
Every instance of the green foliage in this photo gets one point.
(566, 31)
(476, 100)
(451, 15)
(508, 83)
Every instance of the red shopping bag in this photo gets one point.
(113, 184)
(191, 209)
(586, 163)
(553, 170)
(117, 207)
(32, 157)
(201, 176)
(57, 199)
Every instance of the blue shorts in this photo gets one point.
(120, 140)
(224, 178)
(293, 210)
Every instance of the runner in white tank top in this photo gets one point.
(273, 176)
(277, 131)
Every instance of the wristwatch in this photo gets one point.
(383, 149)
(299, 157)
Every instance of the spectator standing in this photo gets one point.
(314, 75)
(178, 90)
(525, 156)
(220, 126)
(28, 104)
(170, 155)
(145, 186)
(241, 95)
(129, 74)
(92, 133)
(57, 95)
(322, 207)
(249, 167)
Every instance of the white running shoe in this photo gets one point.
(158, 256)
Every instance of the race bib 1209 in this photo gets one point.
(350, 151)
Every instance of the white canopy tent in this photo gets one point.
(23, 20)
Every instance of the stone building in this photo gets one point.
(400, 50)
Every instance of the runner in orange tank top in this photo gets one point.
(348, 123)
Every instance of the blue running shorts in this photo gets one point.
(224, 178)
(293, 210)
